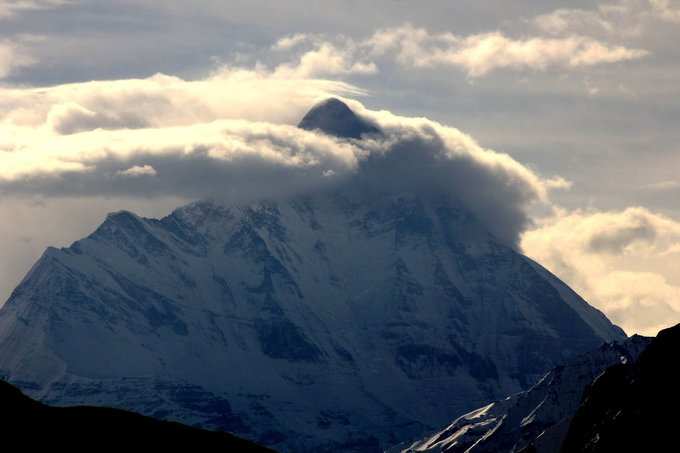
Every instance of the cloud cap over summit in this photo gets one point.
(182, 154)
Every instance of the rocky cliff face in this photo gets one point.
(345, 320)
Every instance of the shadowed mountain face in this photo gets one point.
(632, 407)
(337, 321)
(30, 424)
(333, 117)
(537, 418)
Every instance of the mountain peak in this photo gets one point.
(334, 117)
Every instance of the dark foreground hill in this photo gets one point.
(30, 424)
(633, 407)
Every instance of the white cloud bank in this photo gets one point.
(623, 262)
(167, 137)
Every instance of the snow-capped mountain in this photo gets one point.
(536, 418)
(336, 321)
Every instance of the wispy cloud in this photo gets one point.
(663, 186)
(559, 183)
(481, 54)
(12, 56)
(629, 18)
(291, 41)
(571, 21)
(138, 171)
(476, 54)
(328, 59)
(666, 10)
(9, 8)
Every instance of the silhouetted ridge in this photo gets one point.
(632, 407)
(30, 424)
(534, 421)
(333, 117)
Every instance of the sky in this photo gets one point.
(555, 121)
